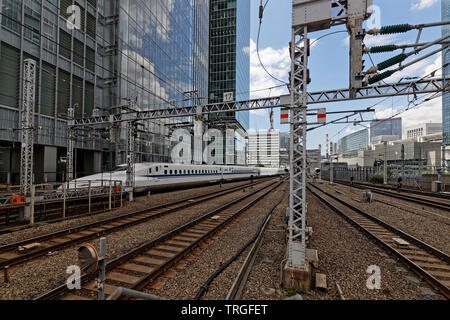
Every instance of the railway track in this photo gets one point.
(425, 260)
(236, 291)
(141, 266)
(404, 190)
(10, 256)
(442, 205)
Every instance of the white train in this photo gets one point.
(162, 176)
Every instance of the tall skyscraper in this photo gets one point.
(445, 60)
(229, 63)
(153, 50)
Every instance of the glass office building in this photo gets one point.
(163, 54)
(153, 50)
(355, 141)
(229, 61)
(445, 60)
(229, 64)
(391, 127)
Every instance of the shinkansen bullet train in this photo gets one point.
(161, 176)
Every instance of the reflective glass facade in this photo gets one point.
(446, 59)
(392, 127)
(163, 53)
(155, 51)
(229, 61)
(355, 141)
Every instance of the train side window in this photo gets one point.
(156, 169)
(176, 171)
(150, 170)
(165, 171)
(170, 171)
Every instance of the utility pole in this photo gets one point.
(131, 154)
(70, 143)
(331, 170)
(403, 162)
(444, 160)
(28, 98)
(385, 175)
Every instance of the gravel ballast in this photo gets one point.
(345, 254)
(43, 274)
(411, 219)
(223, 246)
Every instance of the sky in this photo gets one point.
(329, 63)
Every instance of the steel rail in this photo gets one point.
(62, 290)
(183, 203)
(237, 289)
(427, 202)
(422, 272)
(390, 187)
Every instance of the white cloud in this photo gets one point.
(349, 130)
(277, 63)
(422, 4)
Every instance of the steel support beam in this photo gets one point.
(296, 248)
(422, 86)
(27, 130)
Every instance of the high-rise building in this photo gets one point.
(229, 60)
(152, 50)
(391, 127)
(445, 60)
(355, 141)
(264, 148)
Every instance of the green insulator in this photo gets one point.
(398, 28)
(387, 48)
(381, 76)
(392, 61)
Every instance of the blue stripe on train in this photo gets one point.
(199, 174)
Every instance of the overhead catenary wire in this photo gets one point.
(261, 14)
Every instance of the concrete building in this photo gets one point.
(229, 63)
(423, 129)
(264, 148)
(313, 159)
(152, 50)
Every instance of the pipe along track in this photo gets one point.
(426, 261)
(426, 202)
(141, 266)
(9, 255)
